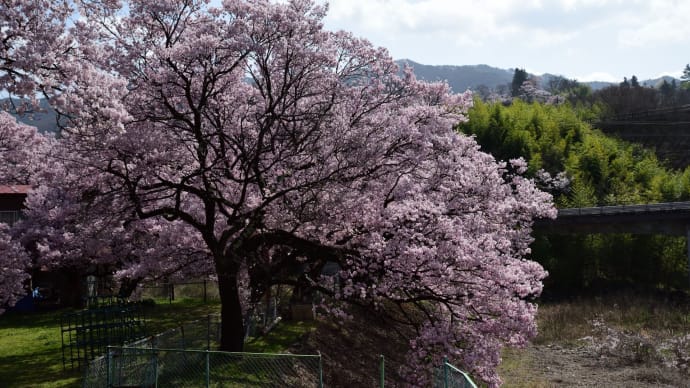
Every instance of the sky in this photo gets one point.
(588, 40)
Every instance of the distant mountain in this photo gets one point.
(652, 83)
(596, 85)
(461, 78)
(44, 118)
(658, 81)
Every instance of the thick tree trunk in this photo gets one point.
(127, 287)
(232, 327)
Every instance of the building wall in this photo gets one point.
(12, 202)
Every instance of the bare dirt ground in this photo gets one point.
(623, 340)
(581, 366)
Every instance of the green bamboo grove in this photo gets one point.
(602, 171)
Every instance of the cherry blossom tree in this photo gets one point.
(69, 226)
(32, 43)
(267, 148)
(23, 152)
(13, 264)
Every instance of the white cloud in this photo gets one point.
(571, 5)
(474, 20)
(611, 37)
(659, 22)
(545, 38)
(674, 74)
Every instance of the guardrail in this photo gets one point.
(651, 112)
(625, 209)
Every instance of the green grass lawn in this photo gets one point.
(31, 346)
(31, 351)
(280, 338)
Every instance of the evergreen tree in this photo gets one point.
(633, 82)
(519, 78)
(667, 92)
(685, 83)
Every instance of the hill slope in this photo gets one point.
(44, 118)
(461, 78)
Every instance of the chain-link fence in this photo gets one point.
(196, 335)
(154, 367)
(175, 358)
(204, 289)
(85, 334)
(261, 319)
(448, 376)
(444, 376)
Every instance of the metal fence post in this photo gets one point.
(320, 372)
(383, 371)
(108, 380)
(208, 332)
(208, 369)
(155, 368)
(445, 372)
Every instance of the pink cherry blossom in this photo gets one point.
(248, 142)
(14, 263)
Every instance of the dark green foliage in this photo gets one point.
(685, 83)
(624, 99)
(580, 94)
(600, 262)
(559, 85)
(519, 77)
(667, 92)
(630, 97)
(634, 82)
(602, 171)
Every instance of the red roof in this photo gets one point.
(15, 189)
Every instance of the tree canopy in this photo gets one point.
(247, 141)
(685, 78)
(519, 78)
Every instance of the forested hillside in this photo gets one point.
(461, 78)
(41, 116)
(601, 171)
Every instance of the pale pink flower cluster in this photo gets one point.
(247, 141)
